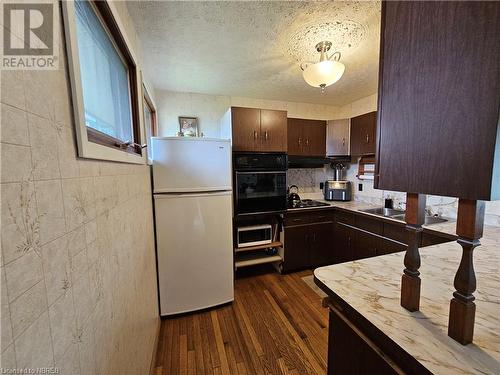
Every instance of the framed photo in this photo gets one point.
(188, 126)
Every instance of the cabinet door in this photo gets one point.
(337, 137)
(315, 137)
(246, 128)
(363, 134)
(322, 249)
(273, 130)
(296, 248)
(424, 133)
(294, 137)
(364, 245)
(343, 238)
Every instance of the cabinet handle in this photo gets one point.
(300, 141)
(367, 138)
(255, 134)
(343, 141)
(307, 141)
(314, 237)
(266, 136)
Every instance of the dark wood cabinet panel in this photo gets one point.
(306, 137)
(343, 237)
(256, 129)
(352, 353)
(273, 130)
(438, 130)
(322, 244)
(388, 246)
(363, 134)
(246, 128)
(296, 248)
(294, 136)
(315, 137)
(364, 244)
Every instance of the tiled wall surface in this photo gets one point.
(78, 284)
(308, 180)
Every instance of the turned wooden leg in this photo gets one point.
(410, 281)
(470, 221)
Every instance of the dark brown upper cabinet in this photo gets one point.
(439, 98)
(363, 134)
(306, 137)
(259, 130)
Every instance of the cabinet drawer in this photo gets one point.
(386, 246)
(429, 239)
(369, 224)
(396, 232)
(308, 217)
(344, 217)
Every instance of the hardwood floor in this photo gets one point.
(276, 325)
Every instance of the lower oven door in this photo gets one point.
(259, 192)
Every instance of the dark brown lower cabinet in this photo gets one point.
(355, 347)
(321, 244)
(296, 248)
(329, 236)
(351, 353)
(309, 241)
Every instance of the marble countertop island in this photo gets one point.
(372, 287)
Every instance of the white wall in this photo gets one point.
(210, 108)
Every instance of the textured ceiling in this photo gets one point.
(255, 48)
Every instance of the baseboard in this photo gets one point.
(155, 348)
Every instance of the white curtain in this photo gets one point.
(105, 82)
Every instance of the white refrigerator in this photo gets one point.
(193, 216)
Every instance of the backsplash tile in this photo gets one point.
(308, 180)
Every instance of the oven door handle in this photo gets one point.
(266, 172)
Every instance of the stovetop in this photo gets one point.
(308, 203)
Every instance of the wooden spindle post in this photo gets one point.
(470, 222)
(410, 281)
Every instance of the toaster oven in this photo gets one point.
(254, 235)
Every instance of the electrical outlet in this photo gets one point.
(360, 187)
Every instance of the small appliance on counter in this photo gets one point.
(293, 196)
(337, 190)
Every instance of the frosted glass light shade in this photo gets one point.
(325, 73)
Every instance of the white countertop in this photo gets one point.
(372, 287)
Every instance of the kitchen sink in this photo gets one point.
(388, 212)
(400, 215)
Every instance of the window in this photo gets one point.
(104, 82)
(149, 120)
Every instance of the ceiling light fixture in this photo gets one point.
(325, 72)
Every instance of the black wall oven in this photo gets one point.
(259, 183)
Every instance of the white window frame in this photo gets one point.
(87, 149)
(146, 93)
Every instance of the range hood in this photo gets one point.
(315, 161)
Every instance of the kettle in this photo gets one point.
(293, 197)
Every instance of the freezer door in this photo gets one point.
(195, 251)
(191, 164)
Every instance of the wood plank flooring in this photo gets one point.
(276, 325)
